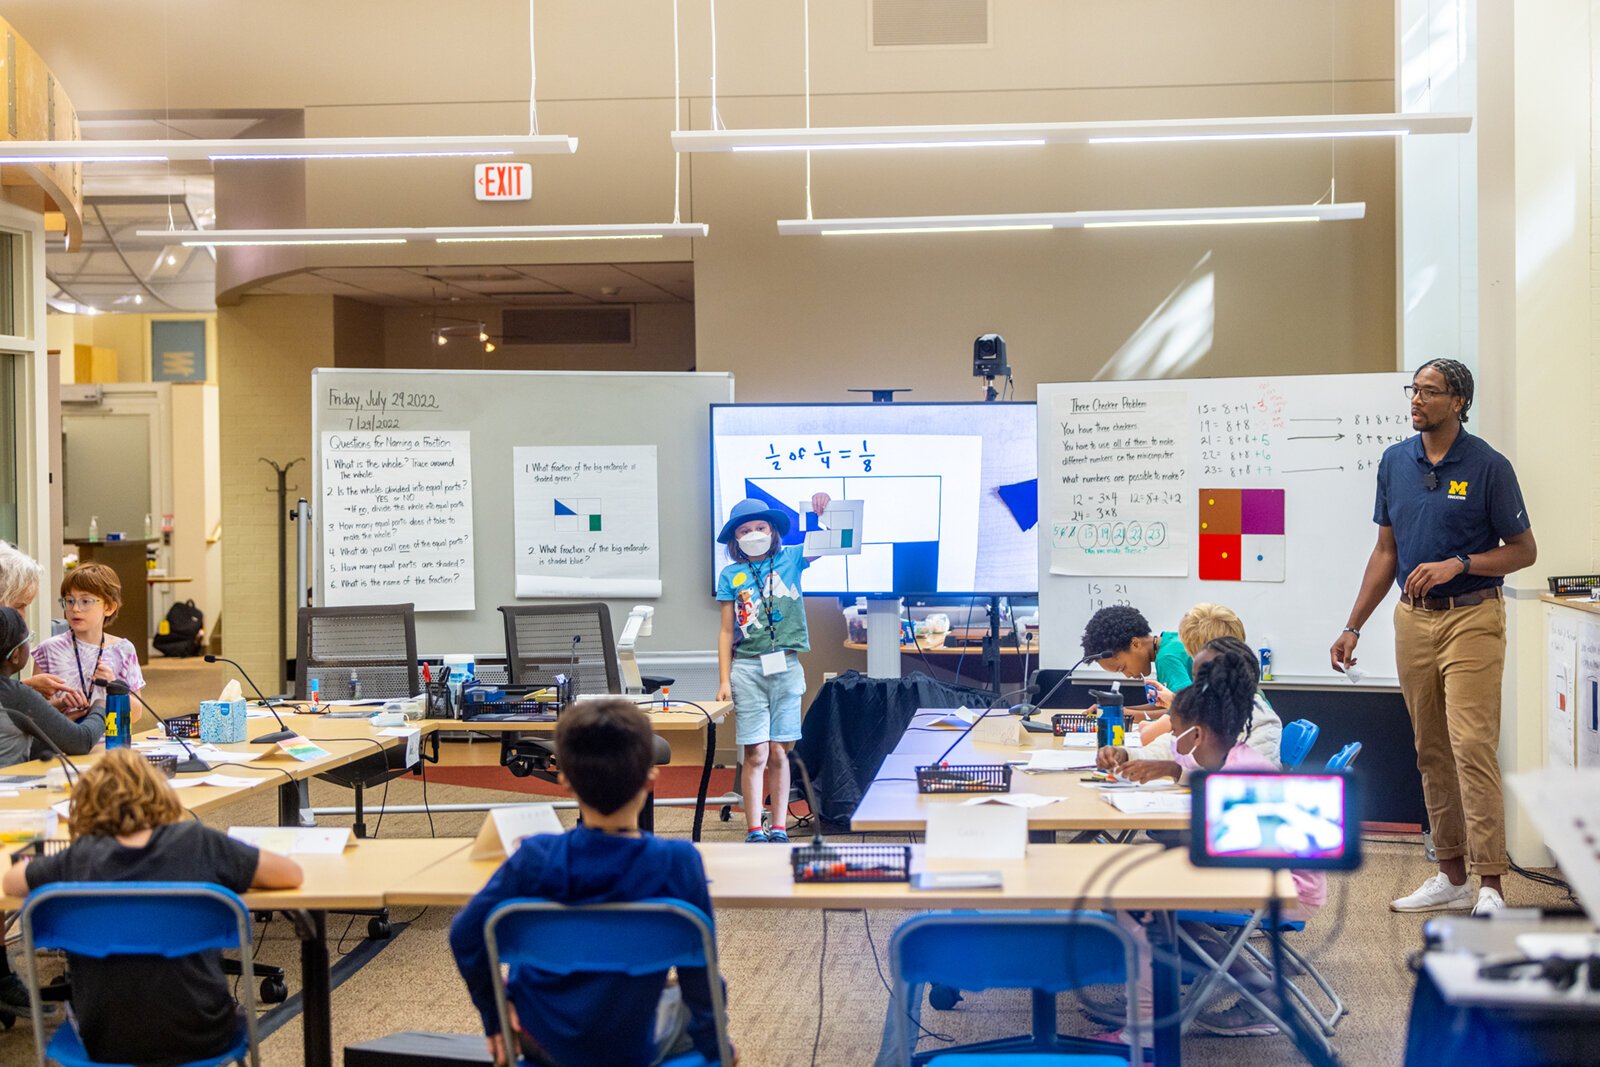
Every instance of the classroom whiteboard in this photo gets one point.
(506, 410)
(1256, 493)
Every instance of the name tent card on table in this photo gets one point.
(504, 828)
(987, 831)
(998, 728)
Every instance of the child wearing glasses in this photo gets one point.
(91, 596)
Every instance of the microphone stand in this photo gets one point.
(1027, 716)
(282, 733)
(194, 764)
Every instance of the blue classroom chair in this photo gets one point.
(105, 919)
(1295, 743)
(1342, 759)
(633, 938)
(1047, 952)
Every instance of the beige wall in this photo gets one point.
(663, 341)
(127, 335)
(269, 346)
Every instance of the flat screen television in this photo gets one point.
(949, 491)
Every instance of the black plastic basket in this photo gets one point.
(44, 846)
(1072, 722)
(964, 778)
(165, 764)
(1574, 584)
(183, 726)
(440, 704)
(850, 863)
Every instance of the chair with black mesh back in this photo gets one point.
(545, 640)
(373, 647)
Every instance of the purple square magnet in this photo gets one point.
(1261, 511)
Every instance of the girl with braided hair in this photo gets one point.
(1209, 722)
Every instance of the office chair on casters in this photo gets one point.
(544, 640)
(1045, 952)
(635, 938)
(1342, 759)
(378, 644)
(105, 919)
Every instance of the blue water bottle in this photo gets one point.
(1109, 726)
(119, 724)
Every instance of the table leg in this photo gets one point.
(1167, 1041)
(705, 781)
(316, 989)
(289, 804)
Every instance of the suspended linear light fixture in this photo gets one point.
(395, 235)
(1074, 220)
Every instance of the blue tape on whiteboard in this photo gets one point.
(1023, 500)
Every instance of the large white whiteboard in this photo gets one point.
(1318, 438)
(507, 409)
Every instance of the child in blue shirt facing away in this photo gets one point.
(763, 629)
(606, 754)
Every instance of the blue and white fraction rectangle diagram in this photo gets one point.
(578, 515)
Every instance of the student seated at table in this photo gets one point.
(73, 738)
(128, 826)
(1136, 652)
(91, 596)
(1265, 734)
(606, 754)
(1209, 720)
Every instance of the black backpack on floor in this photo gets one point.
(184, 625)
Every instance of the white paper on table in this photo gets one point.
(263, 714)
(62, 808)
(1149, 803)
(1080, 741)
(376, 703)
(957, 719)
(999, 728)
(1123, 785)
(294, 840)
(229, 781)
(1016, 800)
(413, 738)
(228, 755)
(987, 831)
(1052, 759)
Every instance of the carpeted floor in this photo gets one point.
(775, 962)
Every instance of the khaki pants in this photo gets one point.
(1450, 664)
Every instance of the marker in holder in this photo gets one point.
(1063, 723)
(817, 862)
(964, 778)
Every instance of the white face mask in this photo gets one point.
(755, 544)
(1181, 736)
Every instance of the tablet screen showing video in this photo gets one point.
(1275, 820)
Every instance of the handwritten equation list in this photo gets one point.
(1117, 474)
(397, 519)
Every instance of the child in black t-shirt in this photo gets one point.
(128, 826)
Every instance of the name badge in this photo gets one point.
(774, 663)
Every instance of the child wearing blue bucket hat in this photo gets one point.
(763, 630)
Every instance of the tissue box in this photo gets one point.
(222, 721)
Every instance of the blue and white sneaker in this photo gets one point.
(777, 836)
(757, 836)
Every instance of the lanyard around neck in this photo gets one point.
(77, 657)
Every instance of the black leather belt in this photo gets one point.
(1445, 603)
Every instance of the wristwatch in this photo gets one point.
(1466, 562)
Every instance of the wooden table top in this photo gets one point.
(893, 803)
(1050, 876)
(359, 877)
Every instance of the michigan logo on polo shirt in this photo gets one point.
(1458, 490)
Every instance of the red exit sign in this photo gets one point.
(503, 181)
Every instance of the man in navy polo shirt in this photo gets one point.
(1451, 526)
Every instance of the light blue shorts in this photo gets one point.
(767, 706)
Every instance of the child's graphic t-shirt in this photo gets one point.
(768, 613)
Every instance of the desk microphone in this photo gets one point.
(1033, 709)
(282, 733)
(194, 764)
(22, 722)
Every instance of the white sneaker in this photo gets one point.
(1489, 902)
(1436, 894)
